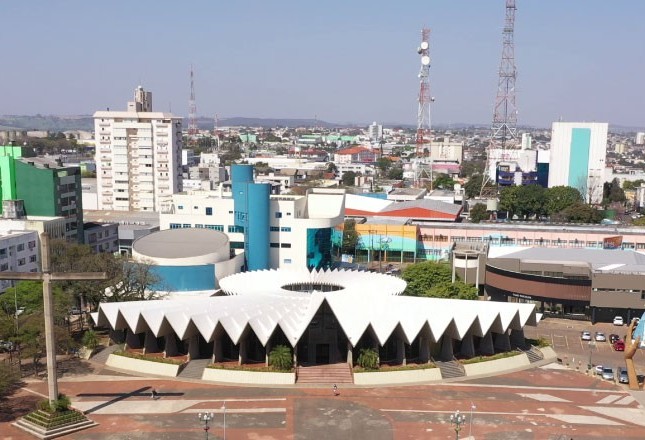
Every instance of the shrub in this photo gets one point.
(90, 340)
(368, 359)
(280, 358)
(44, 405)
(62, 403)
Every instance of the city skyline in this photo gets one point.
(343, 63)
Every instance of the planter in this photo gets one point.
(248, 377)
(497, 366)
(549, 353)
(143, 366)
(397, 377)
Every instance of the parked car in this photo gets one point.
(598, 370)
(585, 336)
(618, 320)
(600, 337)
(613, 338)
(619, 345)
(622, 376)
(608, 373)
(75, 311)
(6, 346)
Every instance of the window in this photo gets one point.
(209, 211)
(4, 267)
(180, 206)
(285, 245)
(3, 253)
(278, 215)
(287, 261)
(274, 229)
(198, 226)
(233, 228)
(216, 227)
(32, 258)
(275, 245)
(32, 244)
(285, 229)
(20, 247)
(175, 225)
(21, 262)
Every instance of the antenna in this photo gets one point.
(424, 99)
(192, 107)
(504, 127)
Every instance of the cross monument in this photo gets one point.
(47, 276)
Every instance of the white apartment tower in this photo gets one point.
(138, 156)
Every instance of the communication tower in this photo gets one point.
(192, 107)
(504, 127)
(423, 114)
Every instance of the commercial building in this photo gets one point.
(578, 153)
(19, 252)
(46, 188)
(275, 231)
(102, 237)
(138, 156)
(597, 283)
(130, 225)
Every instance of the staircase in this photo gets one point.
(450, 369)
(325, 374)
(534, 355)
(102, 356)
(194, 369)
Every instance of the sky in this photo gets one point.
(338, 60)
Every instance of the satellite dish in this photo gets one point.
(424, 45)
(425, 60)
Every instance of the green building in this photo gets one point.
(47, 188)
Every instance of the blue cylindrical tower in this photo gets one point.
(251, 212)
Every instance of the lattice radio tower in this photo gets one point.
(504, 127)
(423, 114)
(192, 107)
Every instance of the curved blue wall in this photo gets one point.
(185, 278)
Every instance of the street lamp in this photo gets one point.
(592, 345)
(206, 417)
(457, 419)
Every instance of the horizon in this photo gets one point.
(344, 64)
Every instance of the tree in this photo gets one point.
(280, 358)
(632, 185)
(473, 186)
(579, 213)
(478, 213)
(368, 359)
(395, 173)
(422, 276)
(559, 198)
(384, 164)
(443, 181)
(639, 221)
(332, 168)
(456, 290)
(612, 192)
(348, 178)
(351, 237)
(7, 379)
(531, 200)
(471, 168)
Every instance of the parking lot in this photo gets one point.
(565, 336)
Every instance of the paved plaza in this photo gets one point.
(550, 402)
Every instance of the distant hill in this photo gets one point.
(46, 122)
(237, 121)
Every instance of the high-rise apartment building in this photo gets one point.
(578, 151)
(138, 156)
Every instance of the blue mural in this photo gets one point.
(184, 278)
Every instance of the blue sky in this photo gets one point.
(342, 61)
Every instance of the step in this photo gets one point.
(335, 373)
(450, 369)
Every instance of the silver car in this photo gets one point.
(600, 337)
(585, 336)
(608, 373)
(623, 377)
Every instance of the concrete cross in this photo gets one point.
(47, 276)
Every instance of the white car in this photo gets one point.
(585, 336)
(618, 320)
(600, 337)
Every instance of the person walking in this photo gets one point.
(336, 392)
(154, 395)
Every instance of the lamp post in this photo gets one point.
(457, 419)
(206, 417)
(224, 409)
(592, 345)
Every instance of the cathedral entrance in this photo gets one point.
(324, 341)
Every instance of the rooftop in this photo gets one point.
(180, 243)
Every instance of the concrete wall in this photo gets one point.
(141, 366)
(397, 377)
(497, 366)
(248, 377)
